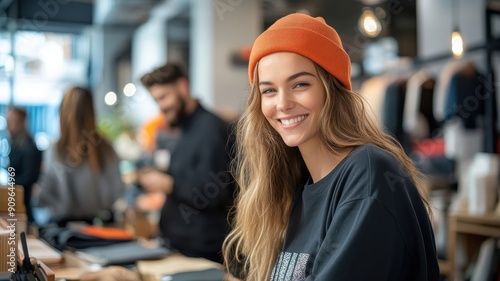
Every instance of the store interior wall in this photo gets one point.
(217, 33)
(234, 30)
(437, 19)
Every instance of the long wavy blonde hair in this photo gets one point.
(268, 173)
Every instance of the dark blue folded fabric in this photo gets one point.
(121, 254)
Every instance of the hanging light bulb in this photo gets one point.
(369, 24)
(457, 44)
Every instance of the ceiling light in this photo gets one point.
(457, 44)
(110, 98)
(129, 89)
(369, 24)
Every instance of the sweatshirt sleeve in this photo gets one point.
(362, 243)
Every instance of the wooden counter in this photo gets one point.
(473, 229)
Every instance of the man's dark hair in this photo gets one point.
(166, 74)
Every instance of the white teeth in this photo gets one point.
(292, 121)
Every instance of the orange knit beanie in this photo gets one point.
(306, 36)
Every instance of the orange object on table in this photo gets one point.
(107, 232)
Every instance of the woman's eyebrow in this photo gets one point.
(292, 77)
(297, 75)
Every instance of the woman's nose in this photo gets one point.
(285, 102)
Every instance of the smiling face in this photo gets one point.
(292, 97)
(170, 100)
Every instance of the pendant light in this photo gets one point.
(457, 43)
(369, 24)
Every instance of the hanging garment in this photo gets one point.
(465, 97)
(418, 119)
(392, 115)
(373, 91)
(491, 140)
(427, 104)
(463, 113)
(442, 86)
(459, 142)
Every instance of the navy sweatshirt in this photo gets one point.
(363, 221)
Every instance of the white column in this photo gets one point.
(149, 51)
(201, 46)
(220, 28)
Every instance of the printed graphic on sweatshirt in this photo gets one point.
(290, 267)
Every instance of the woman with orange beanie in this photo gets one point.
(324, 193)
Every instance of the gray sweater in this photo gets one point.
(76, 192)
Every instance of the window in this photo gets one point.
(35, 69)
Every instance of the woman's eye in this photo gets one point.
(267, 91)
(301, 84)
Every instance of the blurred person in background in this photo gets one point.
(80, 179)
(24, 156)
(196, 182)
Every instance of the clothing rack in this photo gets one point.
(492, 46)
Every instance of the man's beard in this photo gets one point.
(180, 115)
